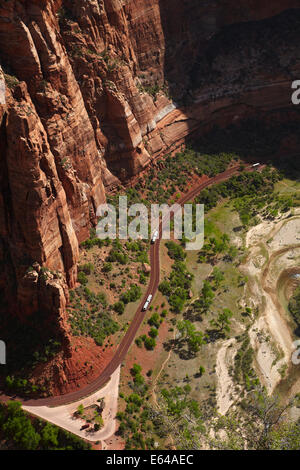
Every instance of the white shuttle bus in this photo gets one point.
(147, 303)
(255, 165)
(154, 236)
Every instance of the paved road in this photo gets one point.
(138, 318)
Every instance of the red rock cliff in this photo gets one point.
(96, 90)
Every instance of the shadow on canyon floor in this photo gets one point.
(256, 140)
(206, 62)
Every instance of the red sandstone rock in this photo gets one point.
(92, 107)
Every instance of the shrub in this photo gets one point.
(150, 343)
(133, 294)
(139, 342)
(294, 306)
(136, 369)
(82, 279)
(119, 307)
(153, 333)
(154, 320)
(107, 267)
(175, 251)
(11, 81)
(87, 268)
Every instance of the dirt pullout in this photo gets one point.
(226, 388)
(63, 416)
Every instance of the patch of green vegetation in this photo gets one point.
(155, 320)
(94, 241)
(222, 323)
(243, 364)
(86, 268)
(119, 307)
(149, 343)
(89, 315)
(294, 306)
(132, 294)
(216, 247)
(177, 287)
(189, 335)
(117, 254)
(252, 195)
(152, 90)
(171, 176)
(11, 81)
(82, 278)
(175, 251)
(135, 421)
(77, 51)
(23, 433)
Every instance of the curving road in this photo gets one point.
(139, 316)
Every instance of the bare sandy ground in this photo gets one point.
(274, 246)
(288, 234)
(270, 335)
(63, 417)
(226, 387)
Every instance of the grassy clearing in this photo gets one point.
(287, 186)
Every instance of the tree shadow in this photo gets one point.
(214, 334)
(178, 347)
(194, 316)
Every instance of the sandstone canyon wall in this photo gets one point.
(96, 90)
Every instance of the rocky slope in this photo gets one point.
(96, 90)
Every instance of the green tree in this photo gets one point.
(49, 436)
(218, 276)
(194, 339)
(80, 409)
(119, 307)
(21, 431)
(207, 295)
(150, 343)
(135, 370)
(222, 323)
(153, 333)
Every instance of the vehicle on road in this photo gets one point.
(147, 303)
(255, 165)
(154, 236)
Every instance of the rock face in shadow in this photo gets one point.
(96, 90)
